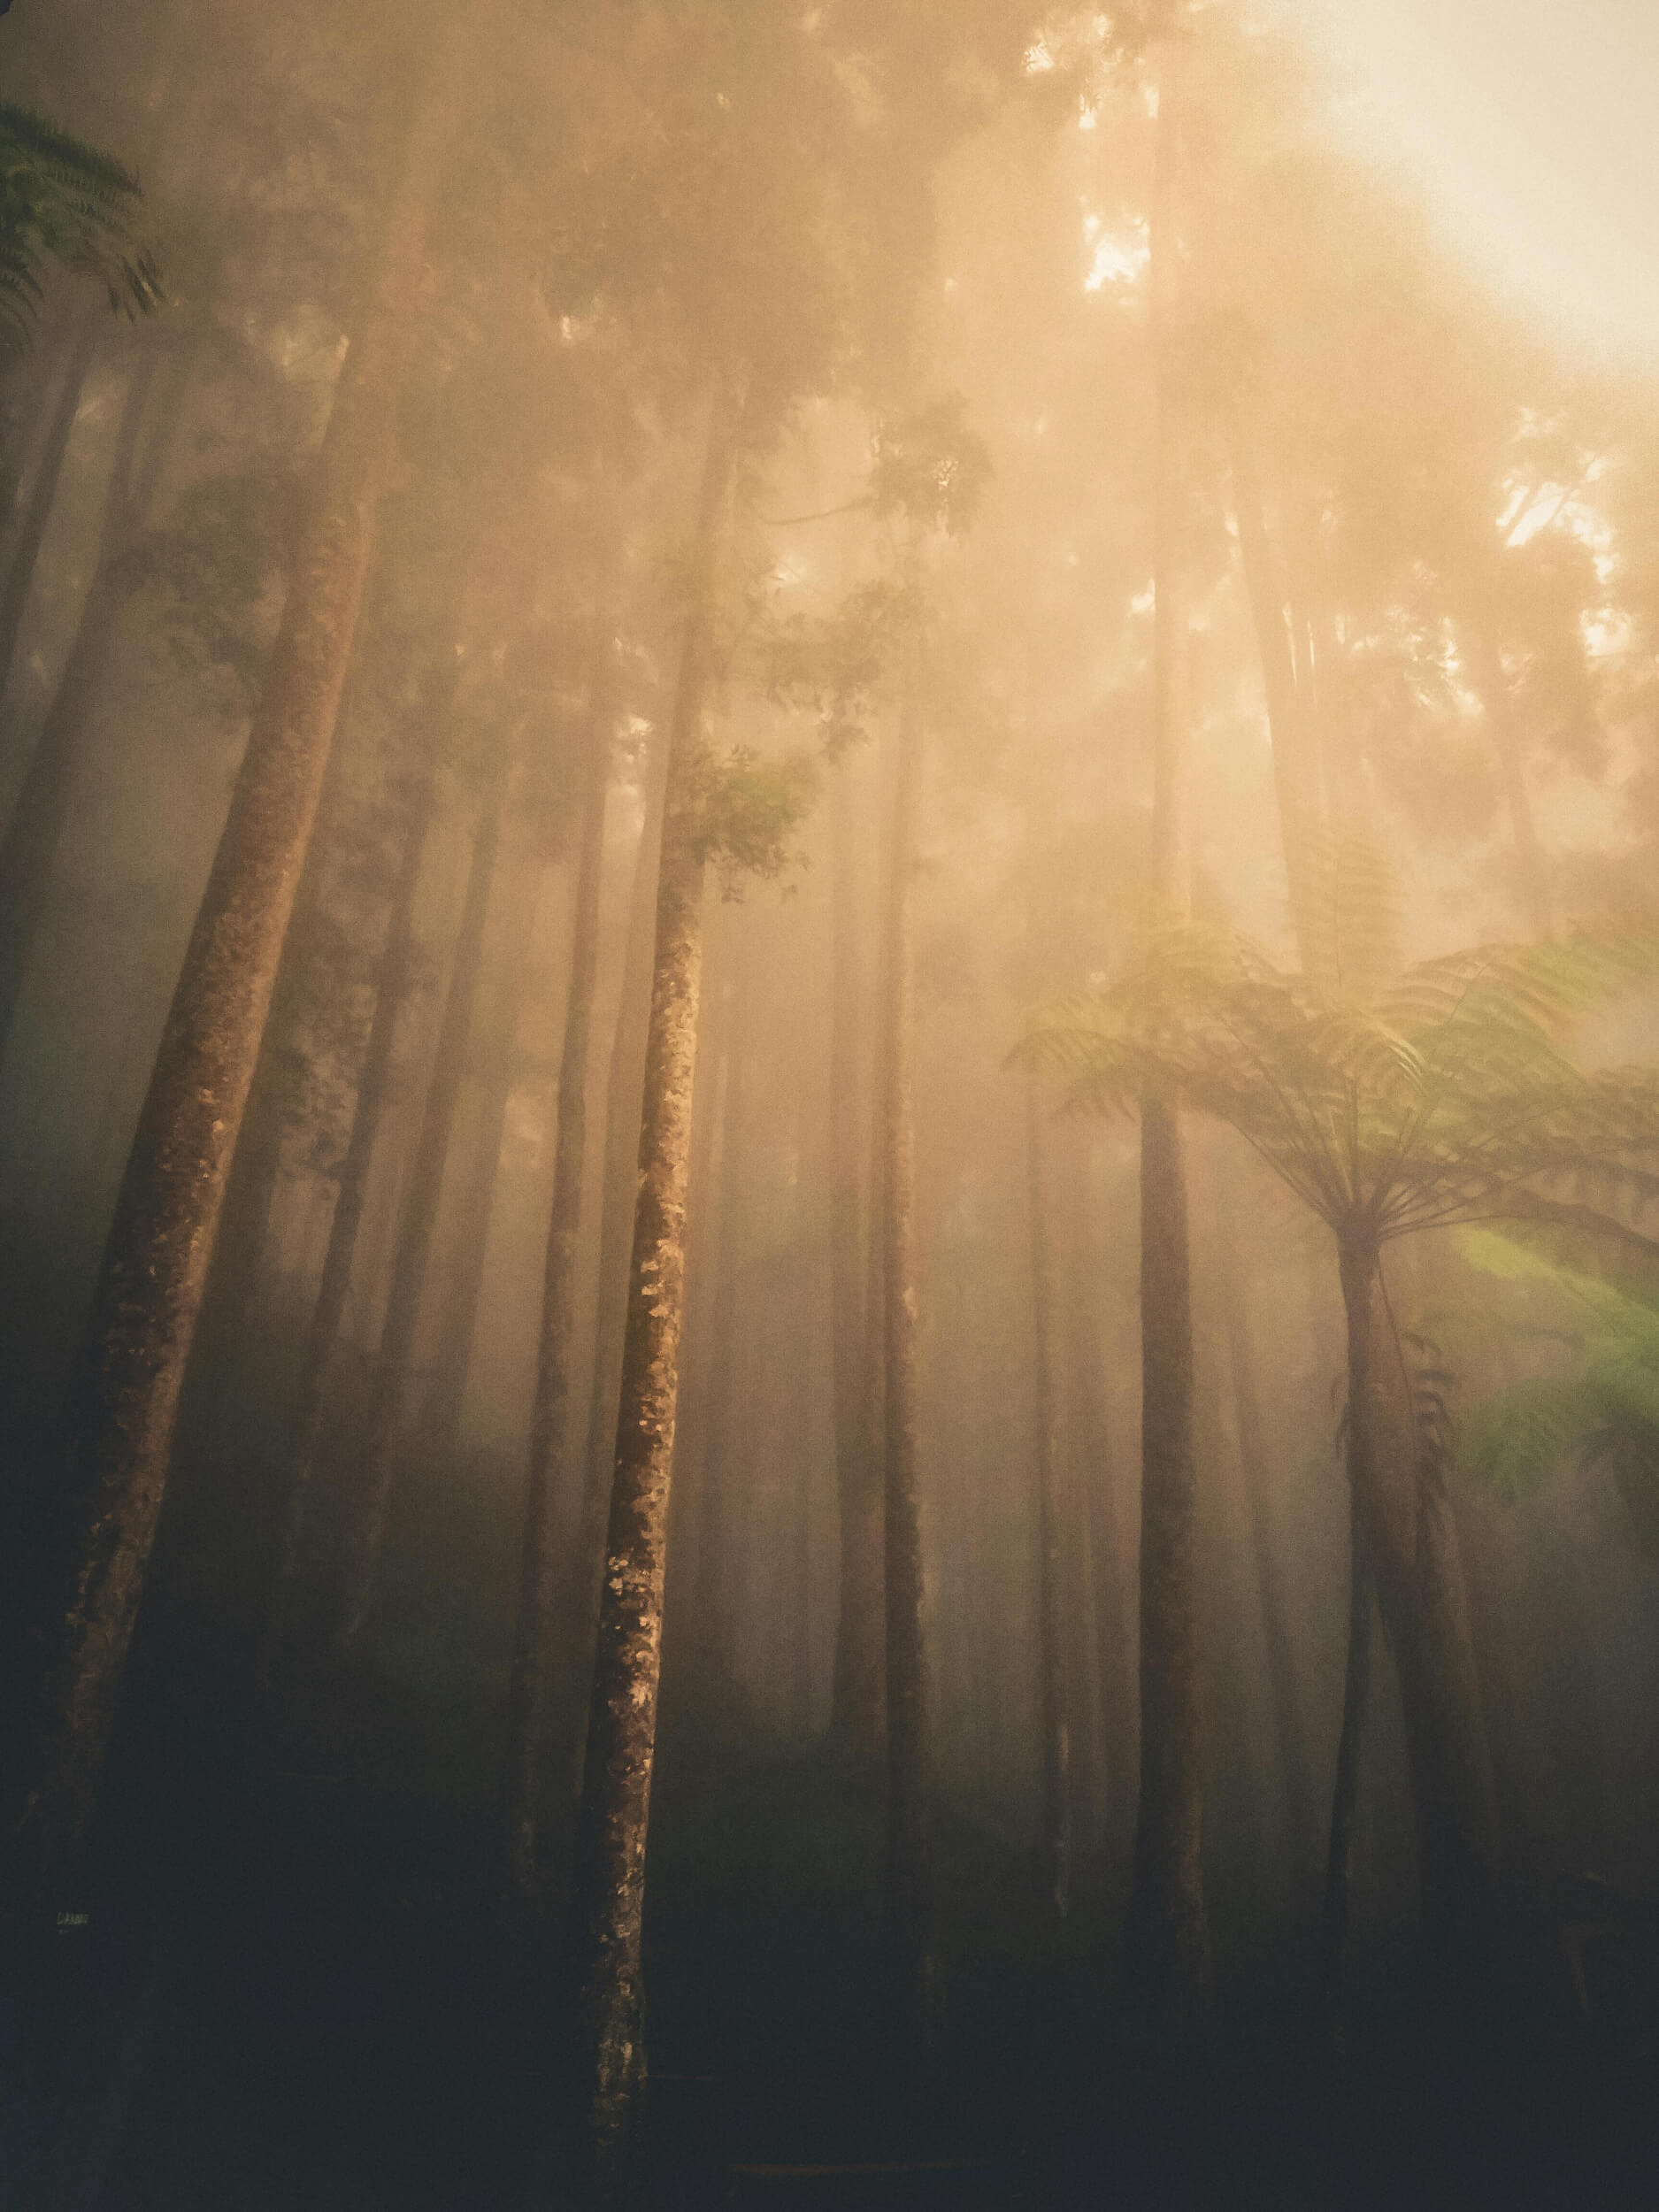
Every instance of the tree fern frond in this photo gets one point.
(63, 202)
(1346, 908)
(1518, 1439)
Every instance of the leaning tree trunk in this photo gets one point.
(1167, 1935)
(234, 1280)
(369, 1501)
(1052, 1704)
(1410, 1538)
(535, 1628)
(609, 1876)
(19, 575)
(123, 1403)
(856, 1695)
(910, 1900)
(374, 1083)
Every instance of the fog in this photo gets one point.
(828, 1102)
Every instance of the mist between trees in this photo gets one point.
(750, 755)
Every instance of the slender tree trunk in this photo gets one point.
(29, 849)
(1272, 1594)
(367, 1507)
(856, 1697)
(910, 1900)
(19, 575)
(619, 1197)
(1051, 1640)
(609, 1884)
(552, 1463)
(1411, 1543)
(375, 1081)
(124, 1403)
(1113, 1644)
(1339, 1871)
(1167, 1935)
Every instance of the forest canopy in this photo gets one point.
(828, 1089)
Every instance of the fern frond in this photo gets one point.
(1521, 1436)
(1347, 910)
(65, 202)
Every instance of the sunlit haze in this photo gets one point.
(1533, 127)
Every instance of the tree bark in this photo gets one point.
(609, 1877)
(233, 1281)
(857, 1694)
(124, 1403)
(19, 575)
(1410, 1538)
(370, 1499)
(619, 1198)
(910, 1898)
(552, 1463)
(374, 1077)
(1051, 1640)
(1167, 1936)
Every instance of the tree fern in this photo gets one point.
(1394, 1100)
(1608, 1409)
(64, 203)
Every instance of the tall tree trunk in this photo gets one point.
(1051, 1639)
(1167, 1935)
(1411, 1541)
(1339, 1871)
(1274, 1595)
(910, 1900)
(552, 1462)
(28, 851)
(1114, 1645)
(370, 1488)
(19, 575)
(608, 1882)
(618, 1199)
(123, 1403)
(235, 1276)
(375, 1081)
(857, 1696)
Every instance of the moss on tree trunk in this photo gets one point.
(609, 1877)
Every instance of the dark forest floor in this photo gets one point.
(295, 1992)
